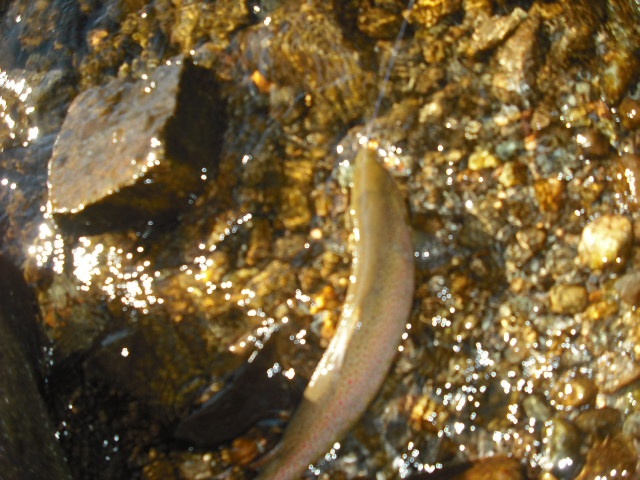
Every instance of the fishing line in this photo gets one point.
(389, 68)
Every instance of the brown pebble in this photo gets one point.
(600, 422)
(625, 172)
(561, 446)
(628, 287)
(260, 241)
(493, 30)
(568, 299)
(540, 119)
(605, 242)
(482, 159)
(630, 113)
(601, 309)
(531, 238)
(574, 391)
(243, 451)
(516, 62)
(609, 458)
(593, 143)
(622, 66)
(511, 174)
(549, 192)
(615, 371)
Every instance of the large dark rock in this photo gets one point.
(28, 447)
(254, 392)
(133, 152)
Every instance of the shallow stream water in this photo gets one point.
(513, 131)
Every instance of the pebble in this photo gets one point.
(568, 299)
(626, 174)
(609, 458)
(540, 119)
(615, 371)
(492, 31)
(574, 391)
(550, 193)
(243, 451)
(428, 13)
(599, 422)
(621, 69)
(531, 238)
(630, 113)
(512, 174)
(628, 287)
(561, 452)
(517, 63)
(295, 210)
(605, 242)
(593, 143)
(481, 159)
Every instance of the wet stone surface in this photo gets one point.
(134, 151)
(605, 242)
(511, 130)
(569, 299)
(29, 448)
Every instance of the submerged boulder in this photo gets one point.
(133, 152)
(259, 389)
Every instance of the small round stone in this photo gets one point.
(628, 287)
(605, 242)
(593, 143)
(568, 299)
(562, 444)
(574, 391)
(243, 451)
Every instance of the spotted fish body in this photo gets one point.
(373, 319)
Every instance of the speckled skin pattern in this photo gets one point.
(374, 316)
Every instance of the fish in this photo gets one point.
(378, 303)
